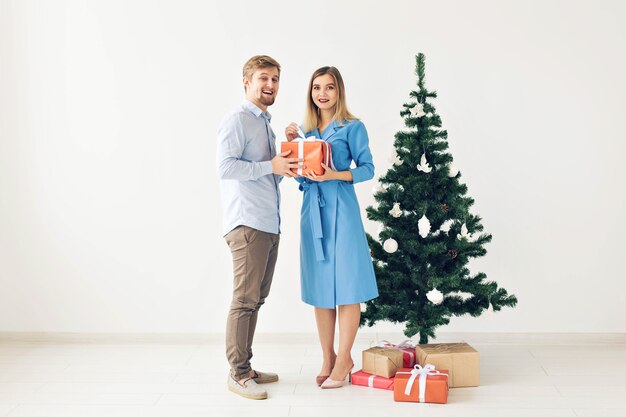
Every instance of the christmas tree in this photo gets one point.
(427, 234)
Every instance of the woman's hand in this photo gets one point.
(291, 131)
(329, 174)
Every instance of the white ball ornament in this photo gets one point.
(434, 296)
(390, 245)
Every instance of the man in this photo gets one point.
(249, 172)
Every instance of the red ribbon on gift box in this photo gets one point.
(408, 349)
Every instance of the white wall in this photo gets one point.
(109, 209)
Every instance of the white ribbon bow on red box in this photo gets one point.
(423, 373)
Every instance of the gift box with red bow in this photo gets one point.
(408, 351)
(382, 361)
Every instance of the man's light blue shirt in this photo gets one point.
(245, 148)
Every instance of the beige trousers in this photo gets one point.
(254, 257)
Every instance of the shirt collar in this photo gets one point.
(254, 109)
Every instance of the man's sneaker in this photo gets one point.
(264, 377)
(248, 389)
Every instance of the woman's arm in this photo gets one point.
(329, 174)
(358, 141)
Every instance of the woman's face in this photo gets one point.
(324, 92)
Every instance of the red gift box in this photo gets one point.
(408, 351)
(373, 381)
(313, 151)
(422, 385)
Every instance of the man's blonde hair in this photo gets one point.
(257, 62)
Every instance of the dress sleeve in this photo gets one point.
(358, 142)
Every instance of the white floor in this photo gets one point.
(188, 379)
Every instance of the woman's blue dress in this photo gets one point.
(335, 261)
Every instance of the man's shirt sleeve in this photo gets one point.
(231, 142)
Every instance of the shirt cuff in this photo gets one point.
(266, 167)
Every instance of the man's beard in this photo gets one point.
(267, 100)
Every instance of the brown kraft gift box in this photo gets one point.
(460, 359)
(382, 361)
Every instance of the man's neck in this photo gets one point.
(259, 105)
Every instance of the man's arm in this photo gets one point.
(231, 143)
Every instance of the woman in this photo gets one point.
(335, 264)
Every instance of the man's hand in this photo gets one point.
(291, 131)
(282, 166)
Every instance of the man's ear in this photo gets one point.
(246, 82)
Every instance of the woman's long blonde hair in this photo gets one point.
(342, 113)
